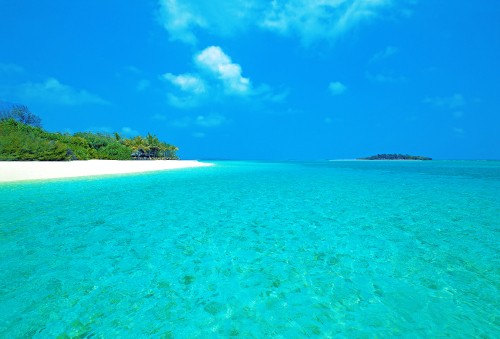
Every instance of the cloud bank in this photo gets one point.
(309, 20)
(215, 76)
(215, 61)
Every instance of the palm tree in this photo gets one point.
(153, 145)
(136, 144)
(170, 151)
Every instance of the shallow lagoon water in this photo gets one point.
(283, 250)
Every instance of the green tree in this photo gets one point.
(22, 114)
(19, 141)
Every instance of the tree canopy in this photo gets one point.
(395, 157)
(22, 138)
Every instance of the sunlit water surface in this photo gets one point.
(283, 250)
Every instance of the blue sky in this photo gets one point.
(255, 79)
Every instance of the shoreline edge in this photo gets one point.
(18, 171)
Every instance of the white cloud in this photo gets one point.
(192, 90)
(220, 65)
(455, 101)
(54, 92)
(179, 19)
(183, 18)
(384, 54)
(309, 20)
(187, 82)
(216, 77)
(337, 88)
(316, 20)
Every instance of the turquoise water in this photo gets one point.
(279, 250)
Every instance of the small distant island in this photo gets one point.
(395, 157)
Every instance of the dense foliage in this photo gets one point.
(395, 157)
(21, 141)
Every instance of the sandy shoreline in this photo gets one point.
(12, 171)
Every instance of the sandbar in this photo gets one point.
(12, 171)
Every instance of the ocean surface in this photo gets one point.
(256, 250)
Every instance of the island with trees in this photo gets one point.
(23, 138)
(395, 157)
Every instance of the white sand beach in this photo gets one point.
(11, 171)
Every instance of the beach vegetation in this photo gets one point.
(20, 140)
(395, 157)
